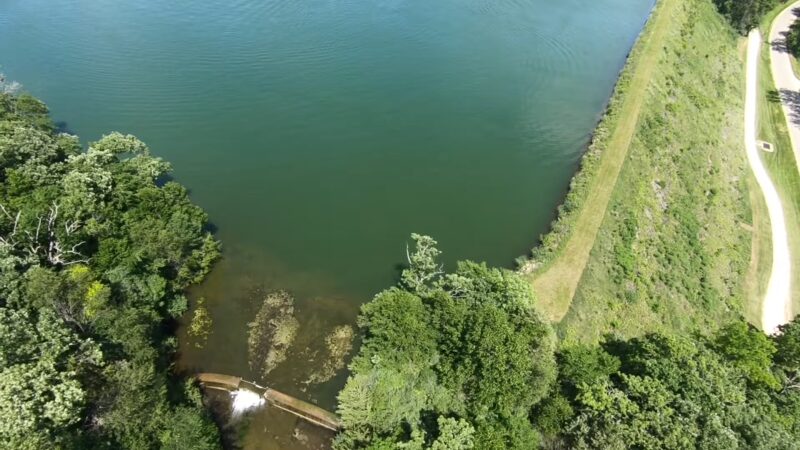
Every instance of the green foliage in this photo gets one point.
(463, 350)
(188, 429)
(787, 356)
(580, 364)
(744, 15)
(42, 363)
(422, 265)
(553, 414)
(396, 319)
(94, 254)
(671, 253)
(673, 392)
(748, 349)
(793, 39)
(454, 434)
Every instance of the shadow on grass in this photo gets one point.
(792, 100)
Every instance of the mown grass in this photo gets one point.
(755, 283)
(769, 17)
(781, 164)
(674, 248)
(795, 66)
(558, 262)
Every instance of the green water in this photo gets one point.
(319, 134)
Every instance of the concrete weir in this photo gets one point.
(299, 408)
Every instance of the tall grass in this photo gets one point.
(674, 246)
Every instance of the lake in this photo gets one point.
(320, 134)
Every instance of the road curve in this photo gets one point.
(783, 75)
(776, 308)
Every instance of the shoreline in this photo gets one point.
(554, 267)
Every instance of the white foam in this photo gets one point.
(243, 400)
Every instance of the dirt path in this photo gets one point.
(777, 300)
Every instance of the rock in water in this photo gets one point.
(272, 332)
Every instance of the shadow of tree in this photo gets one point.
(779, 45)
(63, 127)
(792, 101)
(773, 96)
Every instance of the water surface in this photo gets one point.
(319, 134)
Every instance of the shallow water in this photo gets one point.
(319, 134)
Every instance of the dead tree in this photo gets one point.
(43, 242)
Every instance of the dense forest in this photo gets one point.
(96, 249)
(462, 360)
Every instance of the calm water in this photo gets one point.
(319, 134)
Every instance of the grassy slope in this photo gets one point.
(556, 282)
(781, 164)
(796, 66)
(674, 246)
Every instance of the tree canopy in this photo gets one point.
(449, 360)
(462, 360)
(744, 15)
(793, 39)
(96, 249)
(727, 390)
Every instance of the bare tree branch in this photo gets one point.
(51, 249)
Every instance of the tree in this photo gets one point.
(187, 429)
(787, 354)
(744, 15)
(793, 39)
(94, 252)
(41, 364)
(422, 266)
(664, 391)
(454, 434)
(585, 365)
(464, 348)
(748, 349)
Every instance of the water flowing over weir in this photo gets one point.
(243, 400)
(247, 396)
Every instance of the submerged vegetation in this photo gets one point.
(96, 251)
(338, 345)
(275, 335)
(200, 326)
(272, 332)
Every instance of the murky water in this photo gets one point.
(319, 134)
